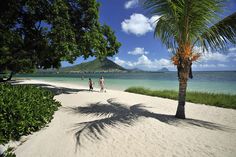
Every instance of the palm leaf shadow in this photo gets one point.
(115, 114)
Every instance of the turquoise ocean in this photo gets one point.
(214, 82)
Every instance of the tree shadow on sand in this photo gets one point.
(55, 89)
(115, 114)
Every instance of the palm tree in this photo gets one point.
(185, 24)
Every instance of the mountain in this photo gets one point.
(163, 70)
(135, 70)
(97, 65)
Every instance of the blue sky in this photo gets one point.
(134, 29)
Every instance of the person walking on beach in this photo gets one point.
(102, 84)
(90, 84)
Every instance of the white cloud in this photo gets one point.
(138, 51)
(208, 61)
(214, 57)
(119, 61)
(123, 62)
(201, 65)
(221, 65)
(163, 62)
(131, 4)
(214, 60)
(208, 66)
(218, 57)
(231, 55)
(139, 24)
(232, 49)
(169, 49)
(143, 62)
(153, 20)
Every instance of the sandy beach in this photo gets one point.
(121, 124)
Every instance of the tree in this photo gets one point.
(42, 33)
(185, 24)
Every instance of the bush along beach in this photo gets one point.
(213, 99)
(24, 109)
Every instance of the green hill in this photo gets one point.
(97, 65)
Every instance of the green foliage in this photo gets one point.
(187, 22)
(24, 109)
(220, 100)
(8, 153)
(217, 36)
(42, 33)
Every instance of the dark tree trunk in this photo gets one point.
(190, 71)
(183, 74)
(10, 77)
(2, 80)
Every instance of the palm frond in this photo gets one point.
(218, 35)
(160, 7)
(166, 30)
(182, 21)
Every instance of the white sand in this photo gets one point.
(211, 131)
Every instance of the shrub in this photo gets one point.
(8, 153)
(24, 109)
(220, 100)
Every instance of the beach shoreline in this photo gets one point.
(212, 82)
(118, 123)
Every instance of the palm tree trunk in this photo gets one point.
(183, 73)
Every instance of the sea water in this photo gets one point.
(214, 82)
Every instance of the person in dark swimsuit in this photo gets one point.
(90, 84)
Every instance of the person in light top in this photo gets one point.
(102, 84)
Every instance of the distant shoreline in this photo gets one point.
(111, 72)
(213, 82)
